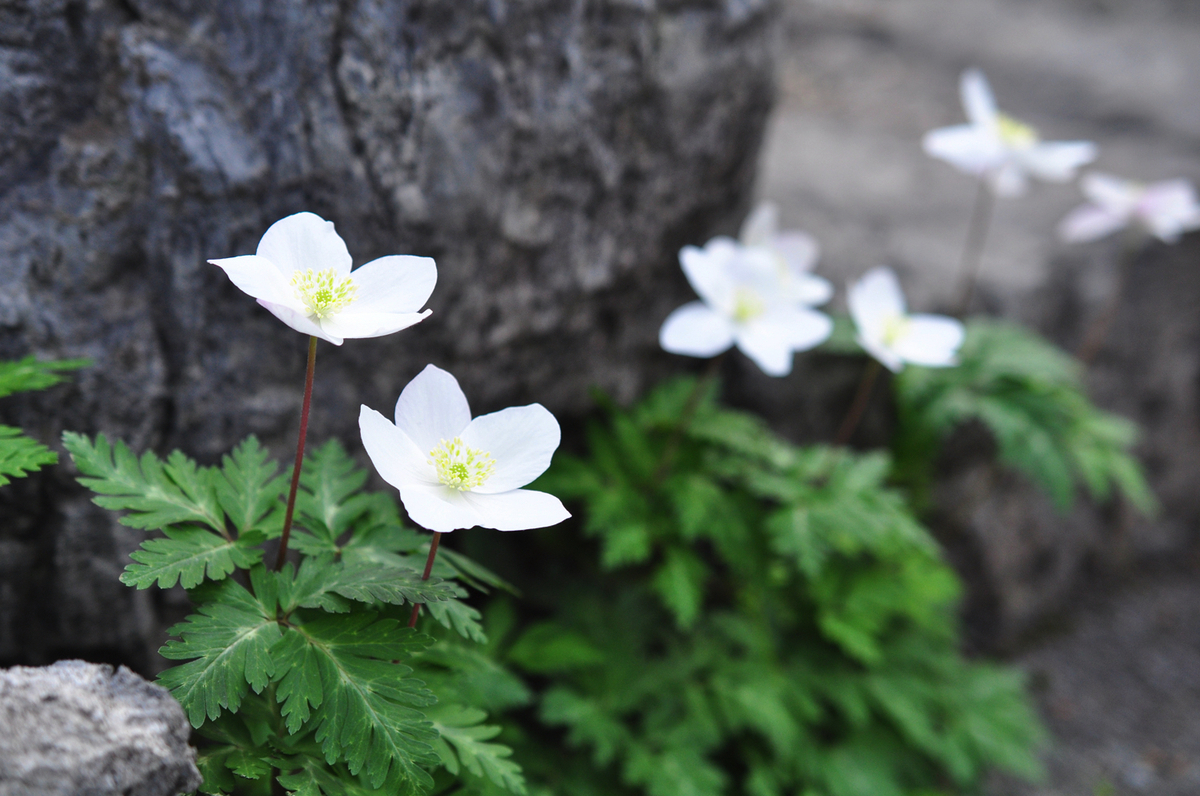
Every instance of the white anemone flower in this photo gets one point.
(454, 472)
(749, 298)
(796, 253)
(1000, 149)
(301, 274)
(1165, 209)
(887, 332)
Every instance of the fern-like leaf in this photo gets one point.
(20, 455)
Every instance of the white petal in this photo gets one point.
(299, 321)
(521, 439)
(760, 226)
(397, 283)
(766, 347)
(708, 270)
(873, 299)
(439, 508)
(1090, 222)
(432, 408)
(1057, 161)
(1008, 180)
(1169, 208)
(518, 510)
(258, 277)
(798, 249)
(886, 356)
(349, 323)
(800, 327)
(808, 289)
(977, 98)
(397, 458)
(1109, 191)
(303, 241)
(970, 149)
(930, 340)
(696, 330)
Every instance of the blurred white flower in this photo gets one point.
(754, 296)
(1000, 149)
(301, 273)
(1165, 209)
(454, 472)
(795, 252)
(887, 332)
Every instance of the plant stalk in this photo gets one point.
(972, 256)
(1097, 332)
(291, 502)
(433, 548)
(859, 405)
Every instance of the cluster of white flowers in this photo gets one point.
(757, 292)
(1006, 153)
(452, 472)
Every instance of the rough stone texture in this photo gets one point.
(551, 155)
(81, 729)
(862, 82)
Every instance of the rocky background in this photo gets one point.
(553, 156)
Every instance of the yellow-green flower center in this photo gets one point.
(460, 467)
(1015, 134)
(323, 292)
(747, 305)
(894, 329)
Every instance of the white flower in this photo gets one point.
(1166, 209)
(753, 296)
(1000, 149)
(796, 253)
(301, 273)
(887, 332)
(454, 472)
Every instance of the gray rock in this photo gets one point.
(552, 156)
(81, 729)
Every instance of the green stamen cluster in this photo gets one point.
(460, 467)
(323, 292)
(1016, 134)
(747, 305)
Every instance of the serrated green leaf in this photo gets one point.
(365, 715)
(20, 455)
(248, 488)
(464, 739)
(330, 499)
(680, 584)
(156, 494)
(188, 555)
(29, 373)
(548, 647)
(226, 645)
(363, 581)
(459, 617)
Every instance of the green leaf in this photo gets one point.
(459, 617)
(20, 455)
(188, 555)
(363, 712)
(331, 499)
(364, 582)
(226, 645)
(464, 740)
(30, 374)
(155, 494)
(248, 488)
(548, 647)
(680, 584)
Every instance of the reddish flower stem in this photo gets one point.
(291, 502)
(859, 404)
(433, 547)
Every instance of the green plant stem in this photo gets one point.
(859, 405)
(433, 548)
(972, 256)
(291, 502)
(685, 420)
(1093, 339)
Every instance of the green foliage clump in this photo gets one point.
(763, 619)
(1031, 398)
(20, 454)
(309, 675)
